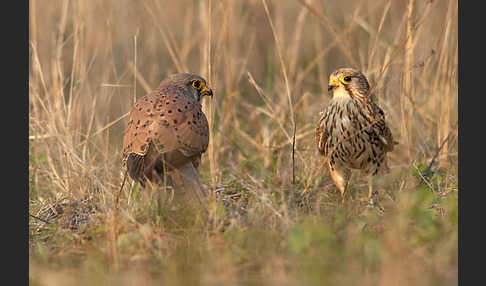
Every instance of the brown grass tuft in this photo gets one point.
(268, 62)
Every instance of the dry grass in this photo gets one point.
(268, 62)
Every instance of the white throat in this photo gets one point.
(340, 93)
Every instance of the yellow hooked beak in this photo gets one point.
(332, 84)
(207, 91)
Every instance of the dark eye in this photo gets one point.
(347, 78)
(196, 84)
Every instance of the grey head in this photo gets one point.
(192, 84)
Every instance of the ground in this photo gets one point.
(274, 216)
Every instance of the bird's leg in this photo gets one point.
(340, 176)
(371, 192)
(372, 200)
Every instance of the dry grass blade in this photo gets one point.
(268, 63)
(434, 158)
(343, 43)
(180, 67)
(107, 126)
(287, 87)
(271, 113)
(146, 87)
(282, 65)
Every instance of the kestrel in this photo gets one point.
(166, 134)
(352, 132)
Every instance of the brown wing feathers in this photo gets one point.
(165, 124)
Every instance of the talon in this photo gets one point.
(371, 203)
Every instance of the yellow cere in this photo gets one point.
(334, 81)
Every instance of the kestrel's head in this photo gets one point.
(190, 83)
(348, 83)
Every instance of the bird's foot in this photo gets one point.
(373, 204)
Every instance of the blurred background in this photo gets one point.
(268, 63)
